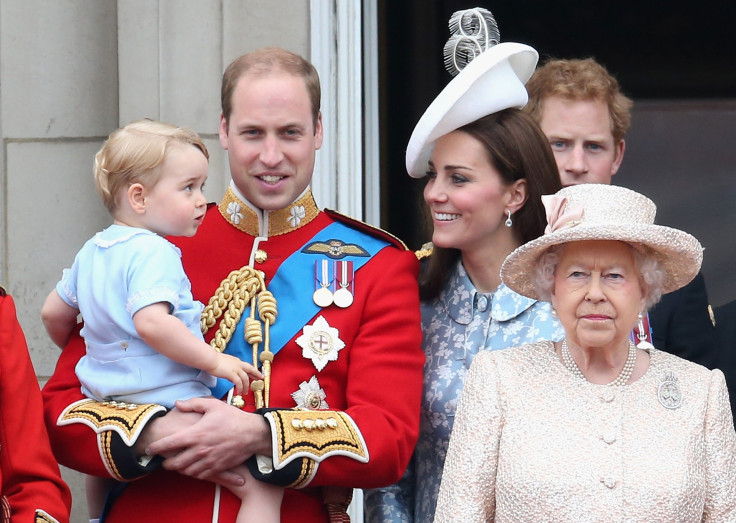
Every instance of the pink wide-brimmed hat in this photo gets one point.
(605, 212)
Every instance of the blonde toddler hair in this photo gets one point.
(132, 154)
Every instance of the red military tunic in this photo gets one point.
(31, 488)
(372, 387)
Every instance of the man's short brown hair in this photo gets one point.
(263, 62)
(580, 80)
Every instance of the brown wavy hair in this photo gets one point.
(518, 149)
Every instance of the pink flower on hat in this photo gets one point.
(559, 214)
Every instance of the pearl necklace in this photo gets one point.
(622, 378)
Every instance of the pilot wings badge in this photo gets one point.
(335, 249)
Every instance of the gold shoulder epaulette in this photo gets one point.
(44, 517)
(367, 228)
(425, 251)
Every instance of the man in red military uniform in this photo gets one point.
(31, 488)
(340, 348)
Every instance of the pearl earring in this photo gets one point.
(508, 222)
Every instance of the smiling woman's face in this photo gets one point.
(597, 293)
(466, 194)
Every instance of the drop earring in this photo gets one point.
(508, 222)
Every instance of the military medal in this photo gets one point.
(344, 274)
(643, 333)
(322, 295)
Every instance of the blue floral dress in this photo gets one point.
(456, 326)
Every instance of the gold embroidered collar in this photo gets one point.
(242, 215)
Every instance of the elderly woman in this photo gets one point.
(592, 428)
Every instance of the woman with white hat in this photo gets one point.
(488, 165)
(591, 428)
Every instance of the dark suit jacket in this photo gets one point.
(726, 341)
(681, 324)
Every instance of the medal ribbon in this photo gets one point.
(323, 278)
(344, 271)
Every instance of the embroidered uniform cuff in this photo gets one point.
(118, 426)
(44, 517)
(296, 474)
(314, 435)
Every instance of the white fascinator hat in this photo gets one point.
(490, 78)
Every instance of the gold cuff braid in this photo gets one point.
(127, 419)
(314, 434)
(308, 469)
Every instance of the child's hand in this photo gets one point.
(236, 370)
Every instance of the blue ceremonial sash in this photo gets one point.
(293, 286)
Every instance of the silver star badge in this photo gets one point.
(320, 343)
(310, 395)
